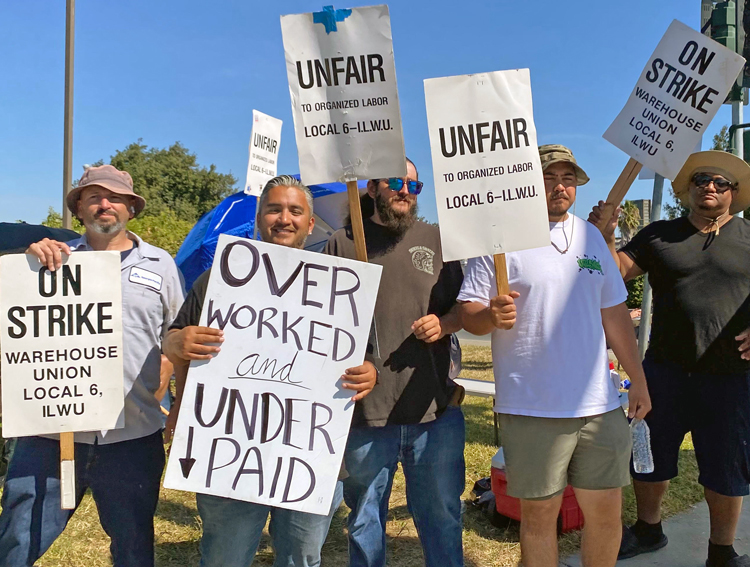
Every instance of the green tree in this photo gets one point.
(164, 230)
(721, 140)
(635, 292)
(629, 221)
(54, 220)
(171, 180)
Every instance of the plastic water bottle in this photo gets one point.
(643, 460)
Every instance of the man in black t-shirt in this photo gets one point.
(412, 416)
(698, 360)
(232, 528)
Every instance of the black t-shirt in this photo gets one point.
(190, 312)
(701, 287)
(413, 385)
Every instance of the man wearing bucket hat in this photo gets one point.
(698, 359)
(122, 467)
(560, 416)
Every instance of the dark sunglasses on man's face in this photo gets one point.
(396, 184)
(701, 180)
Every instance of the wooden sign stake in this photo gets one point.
(501, 274)
(67, 471)
(619, 190)
(355, 213)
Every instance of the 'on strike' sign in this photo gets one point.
(61, 343)
(683, 85)
(342, 80)
(266, 420)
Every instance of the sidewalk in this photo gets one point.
(688, 541)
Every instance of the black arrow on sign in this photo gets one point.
(187, 463)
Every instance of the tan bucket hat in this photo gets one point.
(554, 153)
(725, 164)
(109, 177)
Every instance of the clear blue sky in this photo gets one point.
(192, 71)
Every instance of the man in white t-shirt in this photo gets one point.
(560, 415)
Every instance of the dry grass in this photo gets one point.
(178, 525)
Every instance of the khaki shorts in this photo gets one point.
(543, 455)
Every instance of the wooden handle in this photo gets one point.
(67, 447)
(67, 471)
(355, 213)
(618, 191)
(501, 275)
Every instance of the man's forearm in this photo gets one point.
(451, 321)
(170, 348)
(476, 319)
(618, 328)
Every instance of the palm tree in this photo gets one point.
(629, 221)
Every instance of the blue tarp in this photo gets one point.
(235, 216)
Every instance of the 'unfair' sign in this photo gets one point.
(488, 176)
(266, 420)
(342, 81)
(61, 343)
(263, 161)
(678, 93)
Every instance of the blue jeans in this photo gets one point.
(432, 457)
(124, 480)
(232, 530)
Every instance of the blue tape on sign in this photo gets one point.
(328, 17)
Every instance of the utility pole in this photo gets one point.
(644, 330)
(70, 9)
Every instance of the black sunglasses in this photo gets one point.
(701, 180)
(396, 184)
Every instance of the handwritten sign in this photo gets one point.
(342, 81)
(61, 343)
(266, 420)
(262, 163)
(488, 176)
(677, 95)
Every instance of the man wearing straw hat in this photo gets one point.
(698, 360)
(122, 467)
(560, 416)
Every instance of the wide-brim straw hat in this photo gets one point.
(725, 164)
(109, 177)
(554, 153)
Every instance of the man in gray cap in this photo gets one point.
(560, 416)
(122, 467)
(698, 358)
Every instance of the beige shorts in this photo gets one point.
(543, 455)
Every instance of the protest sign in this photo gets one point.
(679, 91)
(262, 163)
(342, 82)
(266, 419)
(488, 177)
(61, 342)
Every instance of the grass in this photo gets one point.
(178, 527)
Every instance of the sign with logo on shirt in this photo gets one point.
(266, 420)
(342, 81)
(262, 164)
(488, 177)
(61, 337)
(683, 85)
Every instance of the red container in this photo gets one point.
(570, 518)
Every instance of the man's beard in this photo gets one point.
(397, 223)
(113, 228)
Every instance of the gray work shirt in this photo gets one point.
(152, 293)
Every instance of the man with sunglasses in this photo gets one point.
(412, 415)
(698, 360)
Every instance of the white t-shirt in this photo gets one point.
(553, 362)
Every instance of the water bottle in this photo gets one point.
(643, 460)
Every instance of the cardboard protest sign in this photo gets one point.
(61, 343)
(262, 163)
(488, 177)
(342, 81)
(679, 91)
(266, 420)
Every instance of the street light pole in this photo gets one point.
(644, 330)
(68, 122)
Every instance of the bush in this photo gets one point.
(164, 230)
(635, 292)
